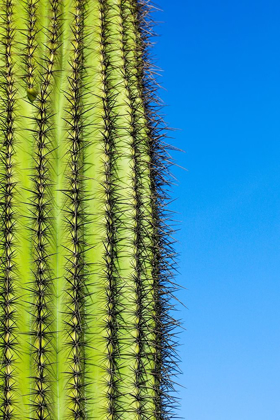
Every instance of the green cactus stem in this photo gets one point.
(86, 267)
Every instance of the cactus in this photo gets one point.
(86, 256)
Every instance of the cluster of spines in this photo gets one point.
(121, 191)
(31, 45)
(74, 220)
(112, 409)
(42, 220)
(147, 363)
(164, 260)
(157, 356)
(144, 322)
(8, 185)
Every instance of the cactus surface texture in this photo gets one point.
(86, 256)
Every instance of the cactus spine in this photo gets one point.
(86, 255)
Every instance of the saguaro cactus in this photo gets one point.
(86, 256)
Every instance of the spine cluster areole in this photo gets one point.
(86, 248)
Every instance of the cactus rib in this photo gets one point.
(74, 220)
(8, 185)
(30, 76)
(42, 230)
(111, 271)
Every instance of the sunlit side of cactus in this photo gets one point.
(86, 251)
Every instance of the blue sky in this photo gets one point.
(221, 62)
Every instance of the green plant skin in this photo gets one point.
(85, 328)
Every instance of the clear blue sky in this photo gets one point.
(221, 62)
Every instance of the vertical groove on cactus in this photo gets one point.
(86, 249)
(41, 212)
(8, 221)
(75, 269)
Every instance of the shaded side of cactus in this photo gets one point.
(86, 249)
